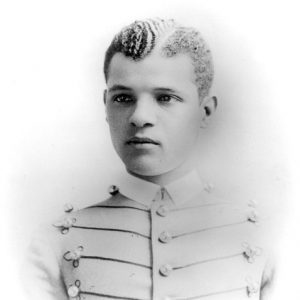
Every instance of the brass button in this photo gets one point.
(252, 287)
(165, 270)
(73, 291)
(65, 224)
(74, 256)
(165, 237)
(250, 253)
(162, 211)
(253, 217)
(68, 207)
(113, 190)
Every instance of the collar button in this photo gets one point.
(113, 190)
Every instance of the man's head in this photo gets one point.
(140, 38)
(157, 95)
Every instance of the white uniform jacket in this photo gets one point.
(150, 242)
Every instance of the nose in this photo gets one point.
(143, 113)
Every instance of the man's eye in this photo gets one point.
(165, 98)
(122, 98)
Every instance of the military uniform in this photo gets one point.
(150, 242)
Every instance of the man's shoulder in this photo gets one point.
(116, 211)
(116, 204)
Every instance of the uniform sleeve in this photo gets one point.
(41, 273)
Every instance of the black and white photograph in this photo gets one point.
(149, 150)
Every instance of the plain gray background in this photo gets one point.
(56, 146)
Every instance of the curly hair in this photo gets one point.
(140, 38)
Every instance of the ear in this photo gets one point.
(209, 106)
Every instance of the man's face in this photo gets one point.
(154, 112)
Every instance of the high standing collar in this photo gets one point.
(144, 192)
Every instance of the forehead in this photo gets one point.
(154, 70)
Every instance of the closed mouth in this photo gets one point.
(141, 140)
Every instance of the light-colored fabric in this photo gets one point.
(144, 192)
(152, 242)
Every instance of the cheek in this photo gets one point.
(189, 134)
(185, 135)
(189, 124)
(116, 129)
(115, 120)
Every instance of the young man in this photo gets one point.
(161, 234)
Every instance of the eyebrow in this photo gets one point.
(118, 87)
(162, 89)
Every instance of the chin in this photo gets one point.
(145, 168)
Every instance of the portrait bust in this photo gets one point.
(162, 233)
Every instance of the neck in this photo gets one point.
(167, 177)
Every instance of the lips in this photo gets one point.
(141, 140)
